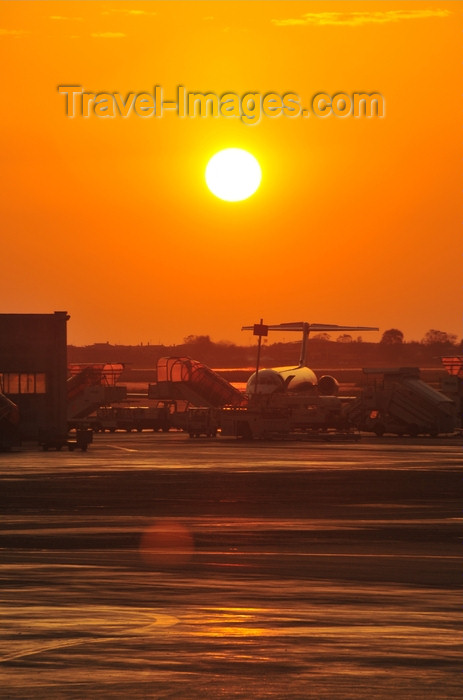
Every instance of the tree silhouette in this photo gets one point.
(321, 336)
(434, 337)
(197, 340)
(392, 337)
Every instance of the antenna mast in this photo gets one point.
(305, 337)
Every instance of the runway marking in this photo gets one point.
(160, 620)
(58, 645)
(124, 449)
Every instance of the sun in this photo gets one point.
(233, 174)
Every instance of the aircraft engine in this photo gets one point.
(328, 386)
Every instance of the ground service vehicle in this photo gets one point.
(283, 415)
(202, 421)
(134, 418)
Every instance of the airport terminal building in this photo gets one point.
(33, 371)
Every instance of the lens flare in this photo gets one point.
(167, 543)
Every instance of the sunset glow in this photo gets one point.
(107, 213)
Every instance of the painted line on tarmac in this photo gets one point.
(117, 447)
(161, 620)
(40, 650)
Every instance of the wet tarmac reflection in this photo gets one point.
(324, 572)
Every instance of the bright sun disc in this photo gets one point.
(233, 174)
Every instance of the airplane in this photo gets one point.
(300, 378)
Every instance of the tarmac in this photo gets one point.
(159, 566)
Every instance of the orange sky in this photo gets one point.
(357, 221)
